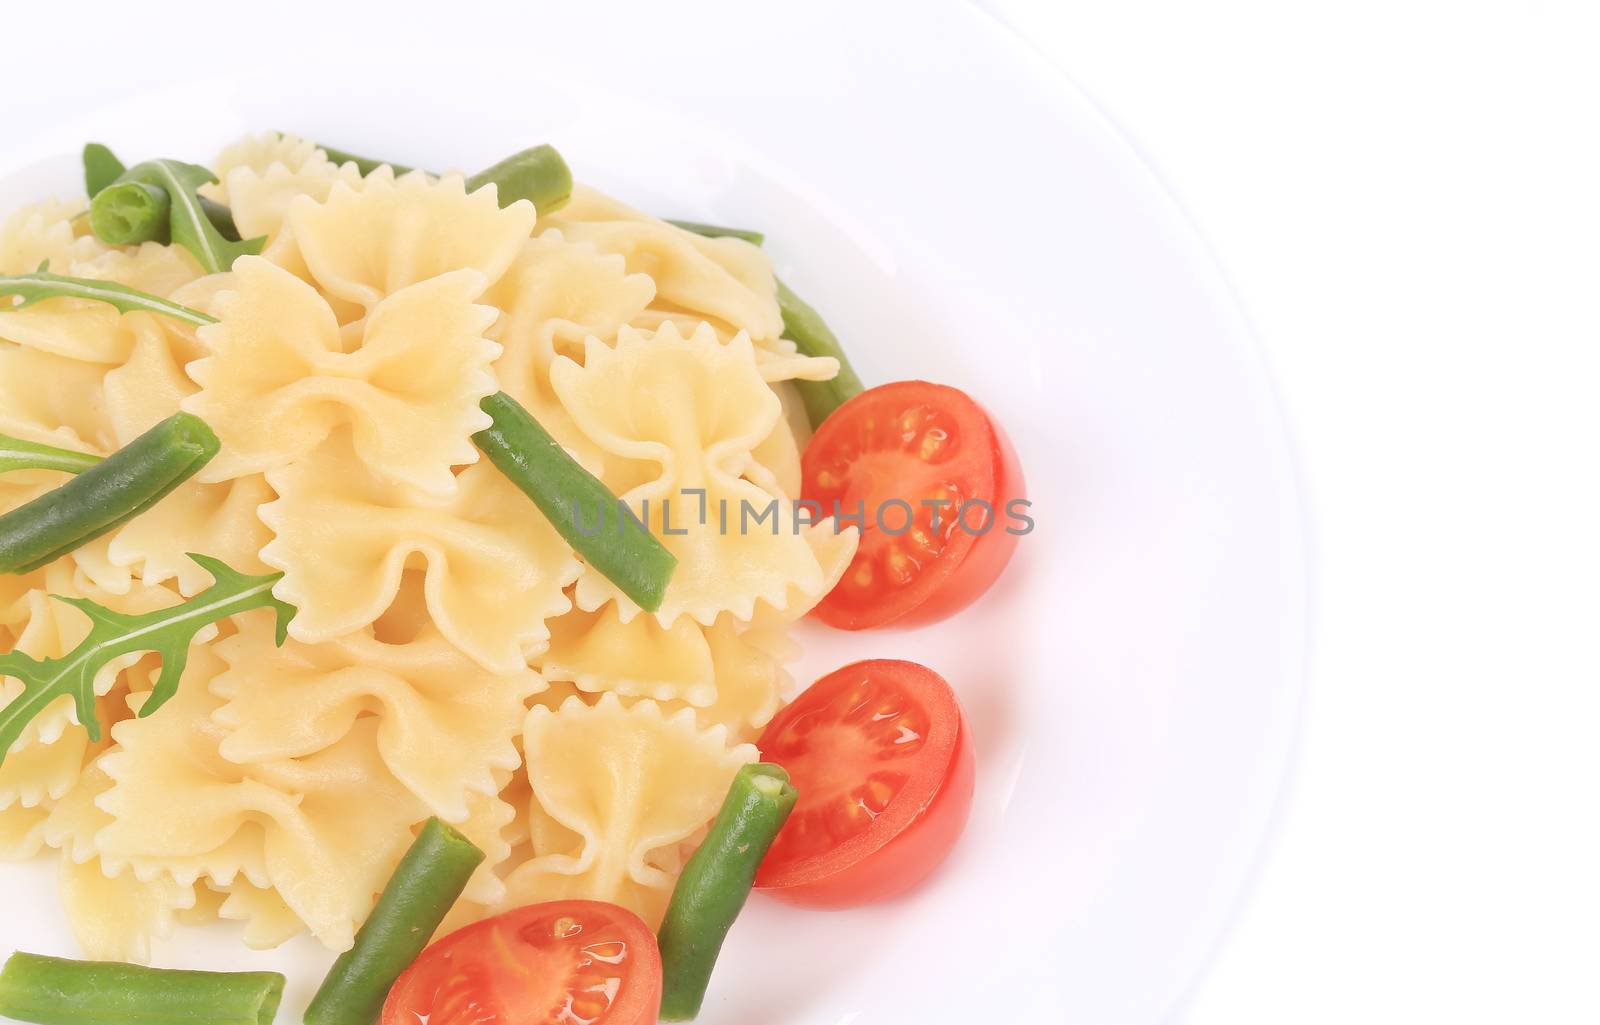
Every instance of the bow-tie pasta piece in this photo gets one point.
(324, 831)
(220, 520)
(54, 400)
(445, 725)
(95, 332)
(259, 153)
(281, 378)
(114, 915)
(115, 918)
(488, 820)
(46, 232)
(599, 653)
(21, 832)
(261, 196)
(722, 279)
(373, 238)
(750, 676)
(493, 568)
(682, 415)
(628, 783)
(556, 295)
(47, 760)
(268, 921)
(730, 674)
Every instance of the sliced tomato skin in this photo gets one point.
(971, 562)
(913, 841)
(905, 862)
(990, 553)
(479, 951)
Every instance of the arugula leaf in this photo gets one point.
(191, 228)
(41, 285)
(167, 632)
(100, 168)
(16, 454)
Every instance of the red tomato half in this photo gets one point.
(894, 451)
(547, 964)
(882, 756)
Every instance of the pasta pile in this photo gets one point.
(451, 655)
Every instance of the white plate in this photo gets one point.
(959, 213)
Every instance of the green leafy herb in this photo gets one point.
(167, 632)
(188, 223)
(16, 454)
(41, 285)
(100, 168)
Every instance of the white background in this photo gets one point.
(1406, 196)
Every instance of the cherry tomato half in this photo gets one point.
(937, 480)
(546, 964)
(882, 756)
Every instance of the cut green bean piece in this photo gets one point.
(100, 168)
(569, 496)
(538, 175)
(810, 333)
(366, 165)
(106, 495)
(755, 238)
(41, 285)
(123, 215)
(16, 454)
(128, 213)
(421, 892)
(55, 991)
(716, 882)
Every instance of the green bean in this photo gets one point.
(100, 168)
(805, 327)
(55, 991)
(128, 213)
(716, 882)
(106, 495)
(755, 238)
(630, 558)
(365, 165)
(421, 892)
(538, 175)
(16, 454)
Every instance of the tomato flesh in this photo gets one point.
(565, 962)
(882, 756)
(934, 481)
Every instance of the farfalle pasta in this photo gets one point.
(363, 244)
(723, 280)
(445, 725)
(492, 572)
(283, 376)
(324, 830)
(628, 783)
(448, 649)
(677, 419)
